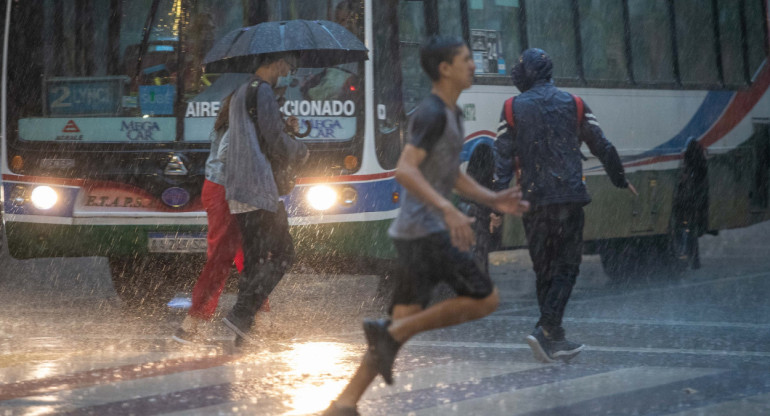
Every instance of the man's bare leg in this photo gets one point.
(410, 320)
(450, 312)
(367, 372)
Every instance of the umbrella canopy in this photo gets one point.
(320, 43)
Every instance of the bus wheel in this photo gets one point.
(627, 258)
(151, 281)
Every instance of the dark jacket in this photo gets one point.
(691, 200)
(546, 140)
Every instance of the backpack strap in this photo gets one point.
(580, 110)
(508, 108)
(508, 111)
(251, 98)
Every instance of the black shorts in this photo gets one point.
(425, 262)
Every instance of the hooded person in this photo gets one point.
(538, 141)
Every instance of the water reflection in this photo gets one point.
(320, 371)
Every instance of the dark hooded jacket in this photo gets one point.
(545, 139)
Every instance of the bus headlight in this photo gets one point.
(348, 196)
(43, 197)
(321, 197)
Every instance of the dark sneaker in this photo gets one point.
(241, 334)
(565, 350)
(382, 346)
(540, 345)
(336, 410)
(185, 337)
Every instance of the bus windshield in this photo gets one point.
(131, 71)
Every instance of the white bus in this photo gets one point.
(655, 73)
(106, 114)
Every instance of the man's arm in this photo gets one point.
(272, 126)
(507, 201)
(593, 136)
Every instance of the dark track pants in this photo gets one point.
(268, 252)
(555, 239)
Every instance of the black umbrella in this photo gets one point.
(320, 43)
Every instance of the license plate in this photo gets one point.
(177, 242)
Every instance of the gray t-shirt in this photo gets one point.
(438, 130)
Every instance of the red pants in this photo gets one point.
(224, 247)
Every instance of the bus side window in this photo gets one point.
(695, 43)
(601, 35)
(550, 27)
(495, 35)
(651, 41)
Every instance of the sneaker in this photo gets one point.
(565, 350)
(240, 334)
(382, 346)
(185, 337)
(336, 410)
(540, 345)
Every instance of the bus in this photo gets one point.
(106, 115)
(656, 73)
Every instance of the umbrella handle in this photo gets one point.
(306, 133)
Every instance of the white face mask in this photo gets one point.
(284, 81)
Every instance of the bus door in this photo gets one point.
(646, 209)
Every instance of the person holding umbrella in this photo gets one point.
(258, 143)
(260, 150)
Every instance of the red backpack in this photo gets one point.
(508, 108)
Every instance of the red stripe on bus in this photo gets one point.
(739, 107)
(741, 104)
(84, 182)
(346, 178)
(481, 133)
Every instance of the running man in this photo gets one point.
(432, 237)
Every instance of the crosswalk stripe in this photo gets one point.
(653, 322)
(68, 364)
(450, 373)
(508, 346)
(752, 405)
(664, 289)
(563, 393)
(117, 391)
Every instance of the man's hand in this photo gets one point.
(632, 189)
(495, 221)
(292, 125)
(509, 201)
(460, 230)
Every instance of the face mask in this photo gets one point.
(284, 81)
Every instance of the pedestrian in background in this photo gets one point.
(223, 238)
(259, 151)
(432, 237)
(540, 134)
(690, 211)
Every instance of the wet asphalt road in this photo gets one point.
(697, 345)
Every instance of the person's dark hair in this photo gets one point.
(438, 49)
(273, 57)
(223, 117)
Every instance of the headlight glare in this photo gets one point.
(321, 197)
(43, 197)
